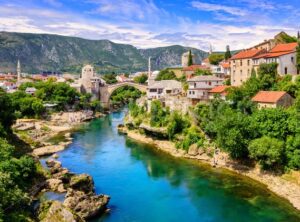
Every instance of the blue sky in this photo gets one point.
(154, 23)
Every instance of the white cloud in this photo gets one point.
(216, 7)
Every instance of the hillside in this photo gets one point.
(44, 52)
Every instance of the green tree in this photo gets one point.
(298, 55)
(165, 74)
(267, 73)
(267, 151)
(215, 59)
(202, 72)
(141, 79)
(110, 78)
(190, 58)
(7, 116)
(177, 124)
(227, 53)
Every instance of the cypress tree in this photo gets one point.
(190, 59)
(298, 56)
(227, 53)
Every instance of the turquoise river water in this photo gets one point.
(146, 185)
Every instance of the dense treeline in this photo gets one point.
(17, 170)
(61, 94)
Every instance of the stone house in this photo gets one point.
(272, 99)
(160, 89)
(284, 55)
(199, 86)
(241, 65)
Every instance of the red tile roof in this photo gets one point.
(268, 96)
(279, 50)
(219, 89)
(225, 65)
(247, 54)
(195, 67)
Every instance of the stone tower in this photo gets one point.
(185, 59)
(86, 76)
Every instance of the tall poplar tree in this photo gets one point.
(227, 53)
(190, 59)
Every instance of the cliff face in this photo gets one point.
(44, 52)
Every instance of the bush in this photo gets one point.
(267, 151)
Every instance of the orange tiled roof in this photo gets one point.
(225, 65)
(279, 50)
(219, 89)
(194, 67)
(247, 54)
(268, 96)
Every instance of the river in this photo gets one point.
(146, 185)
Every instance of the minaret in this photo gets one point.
(210, 49)
(19, 71)
(149, 67)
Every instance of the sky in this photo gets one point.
(155, 23)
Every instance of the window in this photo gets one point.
(241, 62)
(292, 59)
(285, 70)
(193, 92)
(160, 91)
(209, 83)
(195, 85)
(248, 62)
(153, 90)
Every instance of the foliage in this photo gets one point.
(110, 78)
(7, 116)
(158, 114)
(298, 55)
(191, 136)
(227, 53)
(202, 72)
(176, 124)
(124, 94)
(165, 74)
(141, 79)
(215, 59)
(267, 151)
(190, 58)
(267, 74)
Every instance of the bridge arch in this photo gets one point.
(107, 90)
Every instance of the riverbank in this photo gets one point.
(46, 137)
(288, 189)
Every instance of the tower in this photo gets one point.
(19, 71)
(86, 75)
(210, 49)
(149, 67)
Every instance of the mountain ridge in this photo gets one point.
(52, 52)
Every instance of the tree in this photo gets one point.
(141, 79)
(227, 53)
(6, 111)
(176, 124)
(165, 74)
(202, 72)
(298, 55)
(190, 58)
(267, 151)
(215, 59)
(110, 78)
(267, 73)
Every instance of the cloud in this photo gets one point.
(215, 7)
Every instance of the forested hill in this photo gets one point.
(45, 52)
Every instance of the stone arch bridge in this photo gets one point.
(107, 90)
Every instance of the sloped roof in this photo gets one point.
(268, 96)
(204, 78)
(219, 89)
(279, 50)
(171, 84)
(247, 54)
(194, 67)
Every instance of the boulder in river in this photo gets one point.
(86, 205)
(82, 182)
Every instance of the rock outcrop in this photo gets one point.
(55, 211)
(80, 197)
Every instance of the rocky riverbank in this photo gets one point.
(80, 202)
(47, 137)
(278, 184)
